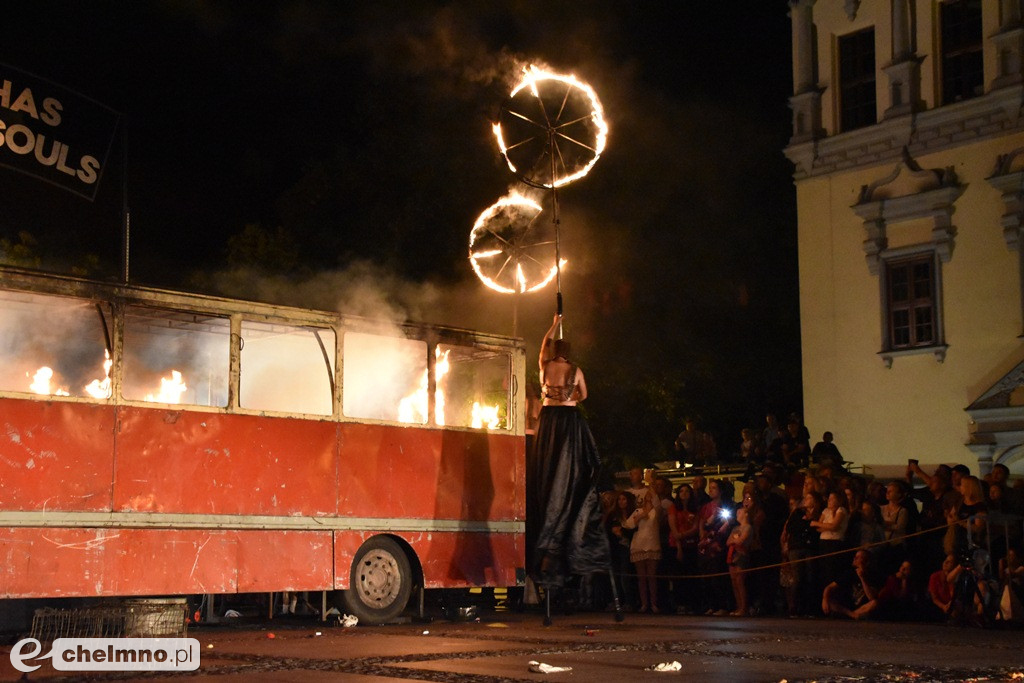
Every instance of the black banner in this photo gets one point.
(52, 133)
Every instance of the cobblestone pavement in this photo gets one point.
(500, 647)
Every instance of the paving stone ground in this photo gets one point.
(499, 648)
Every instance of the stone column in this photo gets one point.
(1009, 44)
(801, 12)
(806, 99)
(904, 71)
(901, 38)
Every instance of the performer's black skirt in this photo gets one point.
(564, 533)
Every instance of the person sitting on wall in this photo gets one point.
(696, 445)
(826, 454)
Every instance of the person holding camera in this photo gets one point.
(716, 519)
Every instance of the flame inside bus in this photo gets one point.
(57, 346)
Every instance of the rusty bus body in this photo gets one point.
(284, 465)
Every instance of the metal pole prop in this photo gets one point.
(555, 218)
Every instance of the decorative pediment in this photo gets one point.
(997, 418)
(1007, 164)
(1005, 393)
(1008, 178)
(907, 179)
(908, 193)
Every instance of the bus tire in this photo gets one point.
(380, 582)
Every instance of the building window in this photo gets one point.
(857, 80)
(910, 276)
(911, 302)
(962, 67)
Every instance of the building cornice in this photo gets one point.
(990, 116)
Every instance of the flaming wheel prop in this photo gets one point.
(510, 249)
(551, 130)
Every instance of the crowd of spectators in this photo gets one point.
(806, 537)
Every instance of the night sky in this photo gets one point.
(335, 155)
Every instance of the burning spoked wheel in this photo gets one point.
(552, 129)
(510, 249)
(380, 582)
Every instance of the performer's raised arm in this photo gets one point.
(546, 345)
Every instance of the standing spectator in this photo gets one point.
(637, 486)
(1013, 501)
(876, 493)
(774, 511)
(667, 564)
(684, 534)
(738, 560)
(969, 513)
(936, 497)
(645, 550)
(958, 472)
(715, 519)
(896, 519)
(620, 537)
(871, 530)
(831, 528)
(799, 543)
(700, 491)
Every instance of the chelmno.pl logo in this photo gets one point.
(109, 654)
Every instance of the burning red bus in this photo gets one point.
(158, 442)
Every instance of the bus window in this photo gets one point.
(385, 378)
(54, 346)
(473, 386)
(175, 357)
(286, 369)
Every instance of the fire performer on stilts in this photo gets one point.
(563, 510)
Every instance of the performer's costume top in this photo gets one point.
(563, 511)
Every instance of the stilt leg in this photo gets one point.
(619, 616)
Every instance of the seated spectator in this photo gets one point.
(855, 594)
(751, 453)
(826, 454)
(1011, 583)
(899, 598)
(941, 586)
(796, 448)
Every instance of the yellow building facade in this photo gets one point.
(908, 153)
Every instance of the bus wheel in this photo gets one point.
(380, 583)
